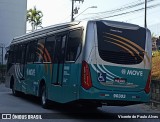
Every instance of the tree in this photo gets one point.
(153, 37)
(154, 42)
(34, 17)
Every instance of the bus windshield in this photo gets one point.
(121, 45)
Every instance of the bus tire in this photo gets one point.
(44, 100)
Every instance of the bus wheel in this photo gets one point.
(44, 101)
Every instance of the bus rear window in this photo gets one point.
(120, 45)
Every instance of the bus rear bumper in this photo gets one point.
(114, 97)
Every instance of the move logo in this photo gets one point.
(31, 72)
(132, 72)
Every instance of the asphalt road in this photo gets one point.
(28, 104)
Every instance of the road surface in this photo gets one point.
(27, 104)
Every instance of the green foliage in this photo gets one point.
(155, 53)
(156, 66)
(34, 17)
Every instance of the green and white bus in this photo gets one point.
(96, 62)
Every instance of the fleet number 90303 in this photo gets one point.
(121, 96)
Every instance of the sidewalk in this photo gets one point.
(148, 107)
(3, 88)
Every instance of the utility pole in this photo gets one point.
(73, 10)
(145, 16)
(85, 10)
(2, 55)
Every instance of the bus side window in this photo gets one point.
(49, 49)
(74, 45)
(23, 53)
(19, 53)
(15, 53)
(40, 51)
(60, 48)
(31, 48)
(10, 57)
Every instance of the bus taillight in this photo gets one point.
(86, 76)
(147, 88)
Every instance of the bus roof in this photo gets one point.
(43, 31)
(58, 27)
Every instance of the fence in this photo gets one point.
(155, 94)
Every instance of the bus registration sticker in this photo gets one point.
(120, 80)
(102, 77)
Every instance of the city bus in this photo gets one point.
(94, 62)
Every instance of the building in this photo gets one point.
(154, 46)
(156, 43)
(12, 21)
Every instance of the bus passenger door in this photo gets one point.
(66, 73)
(59, 60)
(22, 67)
(72, 66)
(55, 91)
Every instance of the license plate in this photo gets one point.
(120, 96)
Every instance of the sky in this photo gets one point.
(59, 11)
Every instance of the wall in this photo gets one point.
(12, 20)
